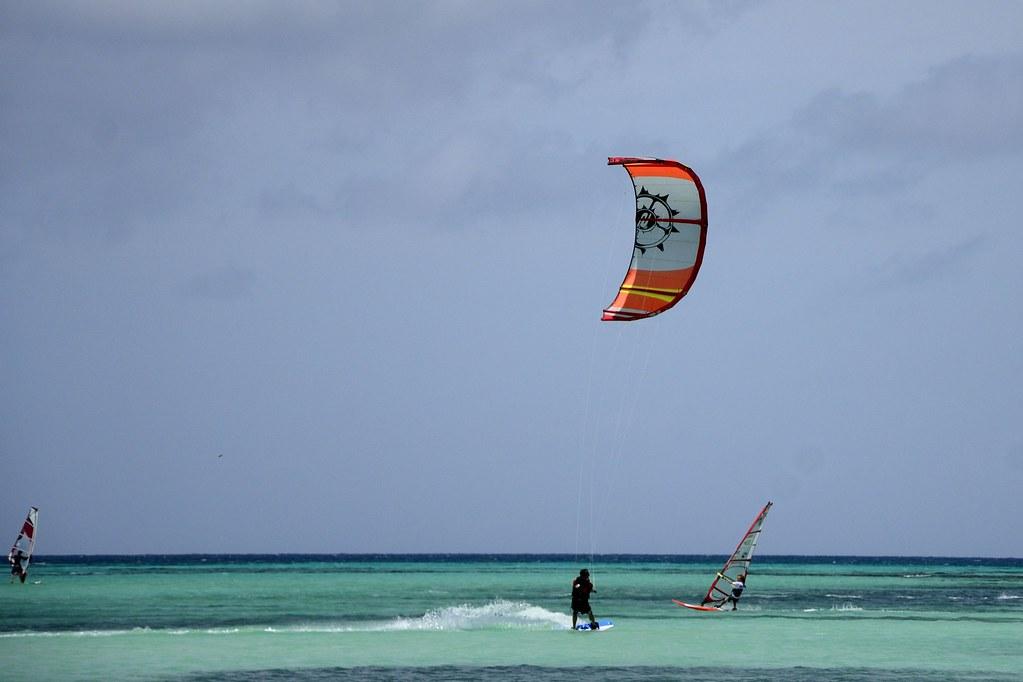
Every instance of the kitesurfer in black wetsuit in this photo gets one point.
(581, 588)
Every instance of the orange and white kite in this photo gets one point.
(671, 232)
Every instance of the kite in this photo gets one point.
(671, 232)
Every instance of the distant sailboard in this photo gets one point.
(21, 551)
(603, 624)
(737, 565)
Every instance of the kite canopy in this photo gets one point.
(671, 232)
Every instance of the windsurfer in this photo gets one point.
(738, 585)
(737, 565)
(17, 558)
(581, 588)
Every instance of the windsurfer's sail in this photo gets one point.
(671, 232)
(21, 551)
(737, 566)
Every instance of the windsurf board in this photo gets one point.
(696, 607)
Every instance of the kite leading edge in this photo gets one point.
(671, 232)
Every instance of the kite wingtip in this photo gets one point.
(622, 160)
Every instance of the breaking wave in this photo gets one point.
(498, 614)
(495, 615)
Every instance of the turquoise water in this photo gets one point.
(467, 617)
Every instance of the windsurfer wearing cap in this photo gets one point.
(581, 588)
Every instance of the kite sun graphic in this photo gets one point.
(653, 216)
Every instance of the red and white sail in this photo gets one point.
(26, 540)
(737, 564)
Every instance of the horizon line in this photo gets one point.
(573, 556)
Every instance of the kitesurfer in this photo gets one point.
(581, 588)
(17, 557)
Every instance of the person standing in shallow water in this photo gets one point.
(581, 589)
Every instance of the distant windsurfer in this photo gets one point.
(581, 589)
(738, 585)
(17, 559)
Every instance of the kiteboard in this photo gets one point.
(604, 624)
(696, 607)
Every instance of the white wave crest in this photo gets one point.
(69, 633)
(496, 615)
(500, 614)
(847, 607)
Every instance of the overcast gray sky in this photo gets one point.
(361, 251)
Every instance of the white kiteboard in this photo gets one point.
(603, 624)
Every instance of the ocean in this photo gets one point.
(470, 617)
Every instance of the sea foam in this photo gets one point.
(499, 614)
(495, 615)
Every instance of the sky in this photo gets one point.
(328, 277)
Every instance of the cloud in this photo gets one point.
(141, 113)
(119, 115)
(913, 268)
(866, 144)
(965, 109)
